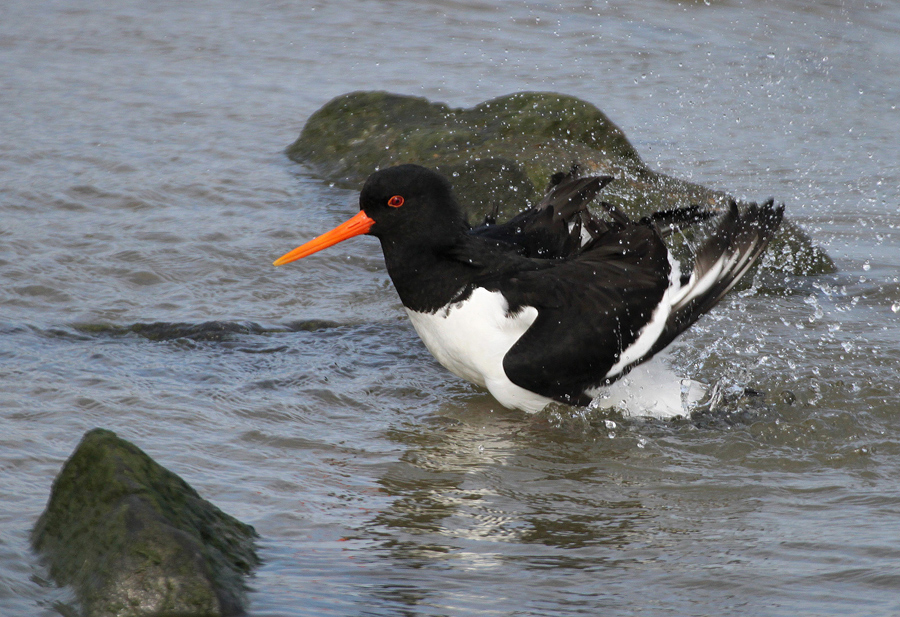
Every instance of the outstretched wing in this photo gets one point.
(619, 302)
(725, 257)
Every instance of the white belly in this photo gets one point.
(471, 339)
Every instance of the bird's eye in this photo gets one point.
(396, 201)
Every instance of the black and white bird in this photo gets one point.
(557, 303)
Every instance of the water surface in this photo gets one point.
(143, 182)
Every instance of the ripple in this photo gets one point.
(205, 331)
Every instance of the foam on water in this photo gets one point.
(654, 388)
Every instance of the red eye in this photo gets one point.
(396, 201)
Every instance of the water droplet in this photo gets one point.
(610, 424)
(896, 307)
(867, 266)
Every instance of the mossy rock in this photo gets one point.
(134, 539)
(501, 153)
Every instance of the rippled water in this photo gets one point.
(144, 194)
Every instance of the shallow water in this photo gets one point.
(143, 181)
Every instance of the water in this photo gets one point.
(142, 181)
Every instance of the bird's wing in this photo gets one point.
(618, 303)
(719, 264)
(590, 308)
(678, 219)
(552, 229)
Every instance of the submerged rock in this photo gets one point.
(501, 153)
(132, 538)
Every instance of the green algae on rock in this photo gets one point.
(132, 538)
(501, 153)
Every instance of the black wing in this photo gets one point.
(594, 306)
(725, 257)
(552, 229)
(589, 309)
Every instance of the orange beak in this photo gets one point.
(356, 226)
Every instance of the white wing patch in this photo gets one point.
(677, 296)
(472, 337)
(696, 287)
(653, 328)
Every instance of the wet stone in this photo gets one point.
(132, 538)
(500, 155)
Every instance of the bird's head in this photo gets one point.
(406, 204)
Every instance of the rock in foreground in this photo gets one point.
(133, 538)
(501, 153)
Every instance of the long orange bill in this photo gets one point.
(356, 226)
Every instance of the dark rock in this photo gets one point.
(133, 538)
(500, 155)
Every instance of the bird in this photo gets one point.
(558, 302)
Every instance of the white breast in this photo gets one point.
(471, 338)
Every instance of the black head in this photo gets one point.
(411, 204)
(404, 206)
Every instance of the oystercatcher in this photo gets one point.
(556, 303)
